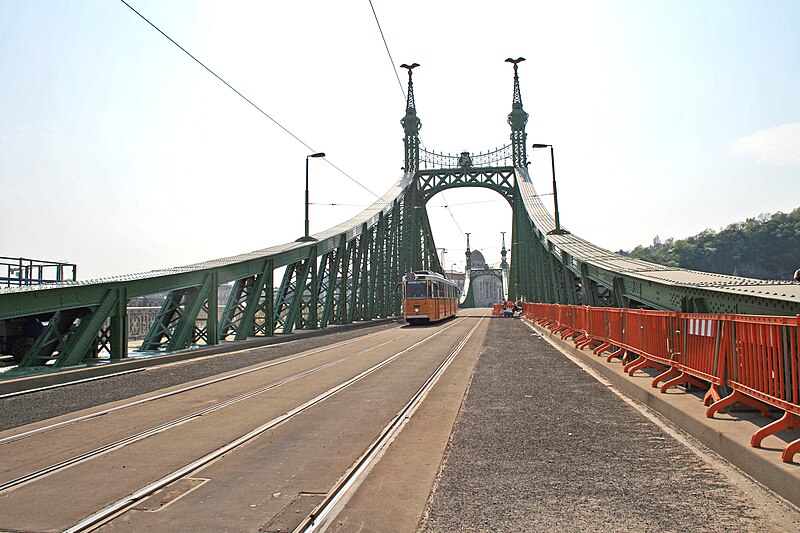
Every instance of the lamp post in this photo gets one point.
(306, 237)
(559, 230)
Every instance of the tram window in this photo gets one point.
(416, 289)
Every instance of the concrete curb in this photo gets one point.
(20, 384)
(728, 436)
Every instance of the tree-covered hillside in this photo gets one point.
(766, 247)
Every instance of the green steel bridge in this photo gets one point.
(352, 272)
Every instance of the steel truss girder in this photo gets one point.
(380, 269)
(352, 272)
(394, 263)
(329, 268)
(292, 298)
(585, 272)
(498, 179)
(185, 332)
(235, 307)
(357, 277)
(167, 319)
(73, 335)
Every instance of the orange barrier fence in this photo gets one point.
(755, 357)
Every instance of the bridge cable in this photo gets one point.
(447, 206)
(442, 206)
(402, 90)
(281, 126)
(385, 44)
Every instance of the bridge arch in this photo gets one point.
(498, 179)
(442, 172)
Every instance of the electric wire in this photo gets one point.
(385, 44)
(404, 97)
(477, 202)
(281, 126)
(441, 206)
(447, 206)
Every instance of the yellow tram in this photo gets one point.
(428, 297)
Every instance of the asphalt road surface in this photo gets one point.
(540, 445)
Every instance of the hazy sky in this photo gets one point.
(121, 154)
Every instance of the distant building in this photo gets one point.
(487, 288)
(157, 299)
(223, 293)
(478, 262)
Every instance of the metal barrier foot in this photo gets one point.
(787, 421)
(788, 453)
(670, 373)
(568, 332)
(643, 362)
(632, 361)
(619, 352)
(736, 397)
(712, 395)
(602, 348)
(683, 377)
(591, 343)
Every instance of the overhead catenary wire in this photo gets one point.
(281, 126)
(402, 90)
(386, 45)
(447, 206)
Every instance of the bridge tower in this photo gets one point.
(517, 120)
(520, 231)
(411, 124)
(503, 252)
(418, 248)
(468, 264)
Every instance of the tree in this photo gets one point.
(764, 247)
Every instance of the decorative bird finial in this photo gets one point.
(409, 67)
(515, 62)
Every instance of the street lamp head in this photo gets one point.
(515, 61)
(318, 154)
(541, 146)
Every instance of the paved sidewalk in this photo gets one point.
(540, 445)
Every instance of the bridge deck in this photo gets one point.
(539, 444)
(542, 445)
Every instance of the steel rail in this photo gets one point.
(331, 505)
(68, 383)
(131, 371)
(164, 426)
(81, 418)
(120, 506)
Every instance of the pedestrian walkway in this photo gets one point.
(541, 445)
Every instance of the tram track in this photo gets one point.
(326, 511)
(181, 390)
(101, 450)
(122, 505)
